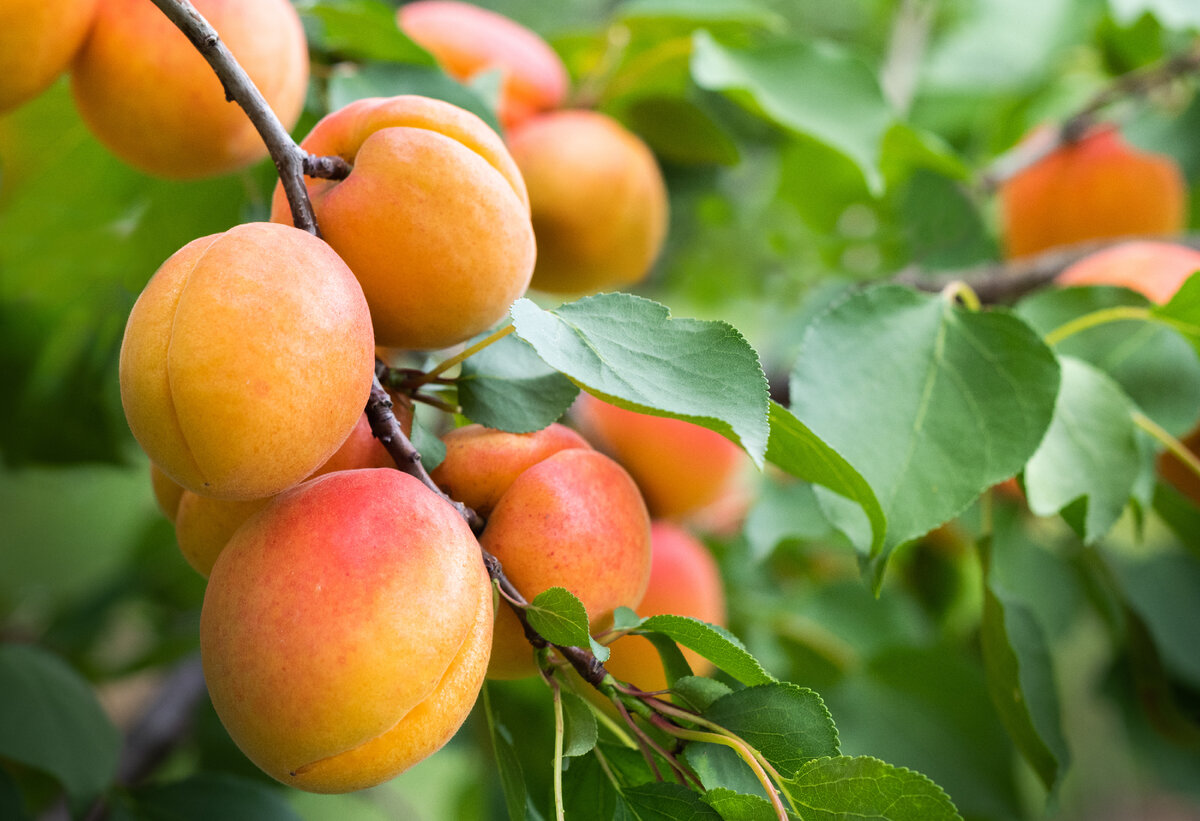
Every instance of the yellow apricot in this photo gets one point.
(598, 199)
(345, 630)
(38, 38)
(150, 97)
(433, 219)
(246, 361)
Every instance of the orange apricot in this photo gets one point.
(467, 40)
(679, 466)
(247, 361)
(1096, 187)
(150, 97)
(38, 39)
(598, 200)
(433, 219)
(345, 630)
(167, 492)
(684, 581)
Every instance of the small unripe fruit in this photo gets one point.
(246, 361)
(345, 630)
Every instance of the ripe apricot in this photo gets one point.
(598, 199)
(563, 515)
(246, 361)
(684, 581)
(1154, 269)
(468, 40)
(679, 466)
(345, 630)
(1097, 187)
(433, 219)
(150, 97)
(167, 492)
(38, 38)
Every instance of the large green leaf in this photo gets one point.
(789, 725)
(856, 789)
(1020, 679)
(354, 82)
(1164, 590)
(629, 351)
(1182, 312)
(930, 403)
(716, 644)
(52, 721)
(211, 795)
(508, 387)
(667, 802)
(363, 30)
(1090, 451)
(815, 89)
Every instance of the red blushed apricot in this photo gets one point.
(1097, 187)
(146, 92)
(481, 463)
(247, 360)
(433, 219)
(598, 199)
(573, 520)
(684, 581)
(345, 630)
(680, 467)
(38, 39)
(1154, 269)
(468, 40)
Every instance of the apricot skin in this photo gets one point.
(468, 40)
(345, 630)
(155, 102)
(679, 466)
(598, 200)
(684, 581)
(1097, 187)
(246, 361)
(38, 39)
(433, 220)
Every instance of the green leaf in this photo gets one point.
(12, 807)
(52, 721)
(559, 617)
(714, 643)
(942, 224)
(1164, 590)
(1020, 680)
(212, 795)
(855, 789)
(624, 618)
(674, 664)
(699, 692)
(720, 767)
(1090, 451)
(629, 351)
(1173, 14)
(789, 725)
(734, 806)
(508, 387)
(1182, 312)
(363, 30)
(667, 802)
(748, 12)
(512, 778)
(680, 131)
(587, 792)
(1154, 365)
(580, 722)
(931, 403)
(350, 82)
(428, 444)
(801, 453)
(784, 512)
(815, 89)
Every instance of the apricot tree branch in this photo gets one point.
(1138, 82)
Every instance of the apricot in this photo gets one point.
(467, 40)
(345, 630)
(684, 581)
(1097, 187)
(598, 199)
(433, 219)
(150, 97)
(1154, 269)
(204, 525)
(572, 518)
(38, 38)
(167, 492)
(679, 466)
(247, 361)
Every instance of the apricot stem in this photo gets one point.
(1177, 448)
(559, 730)
(1094, 319)
(494, 336)
(959, 291)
